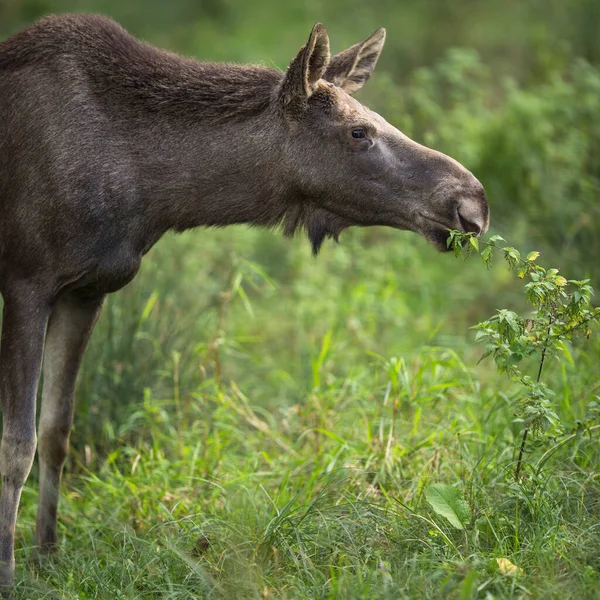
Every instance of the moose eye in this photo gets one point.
(359, 133)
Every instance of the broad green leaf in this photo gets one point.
(468, 588)
(512, 256)
(450, 503)
(560, 281)
(496, 238)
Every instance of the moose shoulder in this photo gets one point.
(106, 143)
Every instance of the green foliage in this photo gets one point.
(450, 503)
(562, 310)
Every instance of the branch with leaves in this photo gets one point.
(562, 309)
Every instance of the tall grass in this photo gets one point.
(300, 471)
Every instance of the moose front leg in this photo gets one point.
(69, 329)
(24, 321)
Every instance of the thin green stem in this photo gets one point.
(539, 376)
(521, 452)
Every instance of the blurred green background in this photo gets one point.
(233, 346)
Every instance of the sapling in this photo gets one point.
(562, 309)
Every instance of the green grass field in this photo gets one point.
(270, 432)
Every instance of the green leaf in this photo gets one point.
(468, 588)
(475, 243)
(450, 240)
(486, 256)
(450, 503)
(148, 307)
(560, 281)
(496, 238)
(512, 256)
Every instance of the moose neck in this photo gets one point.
(211, 175)
(206, 140)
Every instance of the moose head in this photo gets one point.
(355, 168)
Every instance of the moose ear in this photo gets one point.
(351, 68)
(306, 69)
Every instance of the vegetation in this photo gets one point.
(562, 310)
(255, 423)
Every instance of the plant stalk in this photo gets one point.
(526, 430)
(521, 451)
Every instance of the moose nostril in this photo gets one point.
(472, 212)
(469, 226)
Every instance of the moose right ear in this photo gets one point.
(351, 68)
(305, 70)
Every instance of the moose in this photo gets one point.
(107, 143)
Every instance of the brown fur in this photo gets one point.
(106, 143)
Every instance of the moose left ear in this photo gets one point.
(351, 68)
(306, 69)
